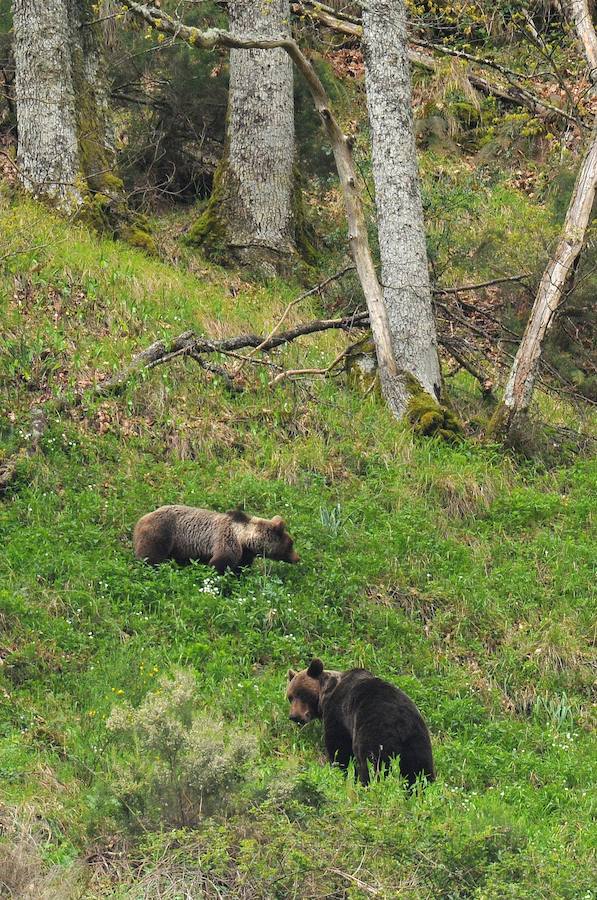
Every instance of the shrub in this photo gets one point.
(182, 765)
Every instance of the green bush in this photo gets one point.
(184, 765)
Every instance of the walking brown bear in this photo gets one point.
(363, 717)
(223, 540)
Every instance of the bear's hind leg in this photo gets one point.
(154, 545)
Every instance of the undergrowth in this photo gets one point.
(461, 573)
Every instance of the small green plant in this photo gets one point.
(331, 519)
(183, 765)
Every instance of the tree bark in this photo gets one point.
(65, 137)
(253, 197)
(586, 33)
(48, 150)
(402, 243)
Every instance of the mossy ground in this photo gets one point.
(458, 572)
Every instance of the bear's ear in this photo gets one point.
(278, 523)
(315, 669)
(291, 674)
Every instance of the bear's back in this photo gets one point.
(379, 708)
(194, 530)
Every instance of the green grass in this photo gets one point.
(459, 573)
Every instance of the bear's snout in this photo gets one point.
(294, 557)
(298, 720)
(300, 712)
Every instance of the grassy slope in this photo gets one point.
(466, 579)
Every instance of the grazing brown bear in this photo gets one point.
(224, 540)
(363, 717)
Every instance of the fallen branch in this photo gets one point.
(289, 373)
(314, 290)
(190, 344)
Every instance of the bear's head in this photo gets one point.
(307, 689)
(276, 542)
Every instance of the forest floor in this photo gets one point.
(461, 573)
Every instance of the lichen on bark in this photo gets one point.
(66, 147)
(250, 217)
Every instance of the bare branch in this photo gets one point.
(314, 290)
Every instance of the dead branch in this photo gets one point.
(314, 290)
(141, 360)
(289, 373)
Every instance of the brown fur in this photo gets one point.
(223, 540)
(364, 718)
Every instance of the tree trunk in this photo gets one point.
(521, 382)
(94, 121)
(550, 295)
(402, 244)
(253, 196)
(48, 150)
(65, 136)
(586, 33)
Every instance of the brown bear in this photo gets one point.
(223, 540)
(363, 717)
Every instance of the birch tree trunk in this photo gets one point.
(402, 244)
(48, 150)
(551, 293)
(253, 195)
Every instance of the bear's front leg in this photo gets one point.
(227, 554)
(338, 742)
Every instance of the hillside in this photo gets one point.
(461, 573)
